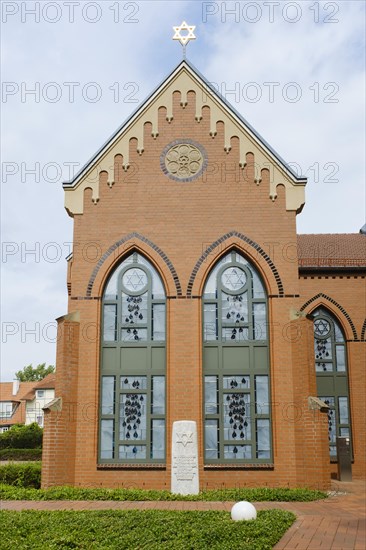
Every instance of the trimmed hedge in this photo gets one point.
(8, 492)
(22, 437)
(27, 475)
(21, 454)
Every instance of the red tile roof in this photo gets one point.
(6, 390)
(26, 392)
(332, 250)
(6, 394)
(46, 383)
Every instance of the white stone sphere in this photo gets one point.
(243, 511)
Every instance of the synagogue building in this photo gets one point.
(202, 303)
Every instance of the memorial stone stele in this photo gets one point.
(185, 479)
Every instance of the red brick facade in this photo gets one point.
(183, 229)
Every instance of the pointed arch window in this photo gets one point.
(332, 376)
(236, 364)
(132, 408)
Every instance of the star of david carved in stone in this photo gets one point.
(135, 280)
(233, 278)
(321, 327)
(184, 38)
(185, 438)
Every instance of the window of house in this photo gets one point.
(236, 364)
(6, 409)
(331, 374)
(132, 408)
(40, 393)
(39, 421)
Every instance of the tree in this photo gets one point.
(34, 374)
(22, 437)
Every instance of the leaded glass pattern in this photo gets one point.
(331, 371)
(236, 368)
(132, 409)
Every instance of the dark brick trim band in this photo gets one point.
(122, 241)
(85, 298)
(131, 466)
(242, 466)
(284, 296)
(363, 331)
(242, 237)
(321, 295)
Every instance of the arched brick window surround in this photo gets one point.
(240, 237)
(321, 297)
(133, 237)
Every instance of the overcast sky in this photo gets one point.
(294, 70)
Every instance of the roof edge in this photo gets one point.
(216, 95)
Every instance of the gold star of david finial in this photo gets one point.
(186, 37)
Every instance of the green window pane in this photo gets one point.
(132, 452)
(210, 322)
(263, 438)
(134, 310)
(110, 292)
(211, 395)
(158, 322)
(133, 382)
(323, 349)
(240, 334)
(158, 439)
(236, 408)
(262, 397)
(260, 321)
(338, 333)
(237, 452)
(235, 308)
(134, 334)
(236, 382)
(343, 410)
(108, 397)
(158, 395)
(109, 323)
(211, 439)
(133, 417)
(258, 290)
(107, 439)
(341, 359)
(332, 451)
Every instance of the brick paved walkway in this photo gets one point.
(336, 524)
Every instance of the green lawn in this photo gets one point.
(134, 530)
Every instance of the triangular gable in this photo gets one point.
(185, 79)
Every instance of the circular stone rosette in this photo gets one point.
(183, 160)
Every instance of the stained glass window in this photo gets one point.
(132, 419)
(236, 366)
(331, 373)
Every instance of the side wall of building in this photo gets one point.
(344, 295)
